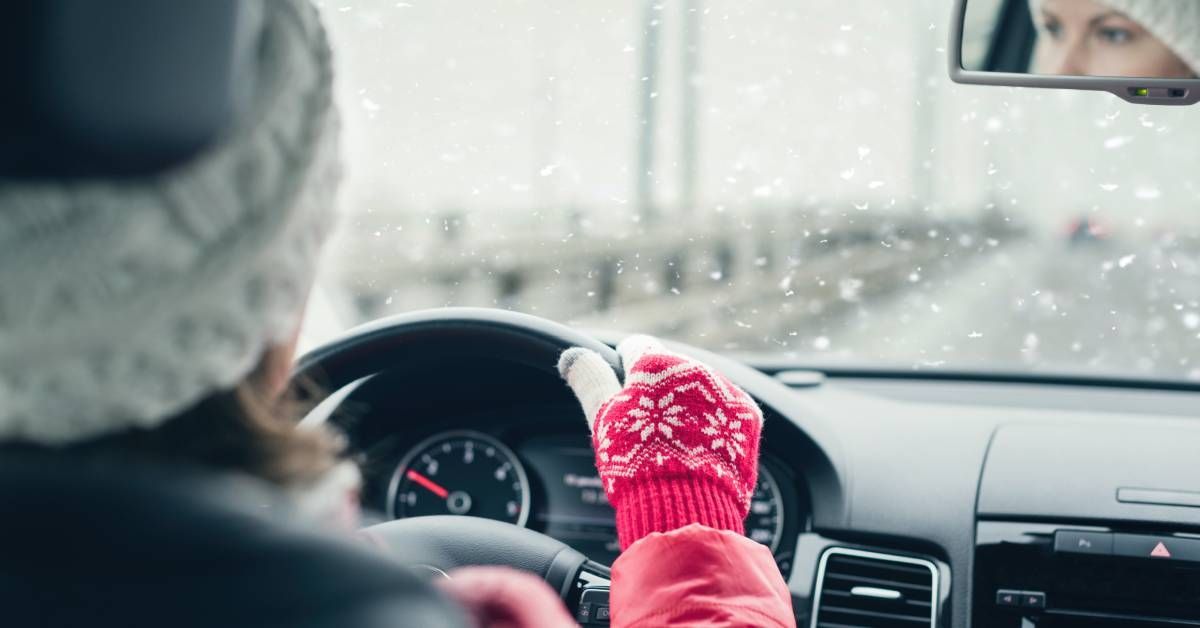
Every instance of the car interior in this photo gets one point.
(891, 493)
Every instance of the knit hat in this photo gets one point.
(1176, 23)
(124, 302)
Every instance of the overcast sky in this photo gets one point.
(506, 105)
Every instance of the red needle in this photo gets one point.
(433, 487)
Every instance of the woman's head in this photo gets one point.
(1131, 38)
(125, 305)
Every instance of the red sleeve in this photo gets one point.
(698, 576)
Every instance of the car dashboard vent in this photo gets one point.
(872, 590)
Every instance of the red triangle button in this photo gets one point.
(1160, 551)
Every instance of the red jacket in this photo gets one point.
(698, 576)
(693, 576)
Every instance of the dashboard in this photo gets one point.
(549, 483)
(886, 498)
(528, 464)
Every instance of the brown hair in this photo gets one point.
(245, 429)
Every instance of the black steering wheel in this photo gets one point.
(440, 543)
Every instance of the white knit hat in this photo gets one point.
(122, 303)
(1176, 23)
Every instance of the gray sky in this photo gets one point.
(503, 105)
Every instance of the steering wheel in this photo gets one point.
(441, 543)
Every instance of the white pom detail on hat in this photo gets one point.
(123, 303)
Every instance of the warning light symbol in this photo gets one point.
(1160, 551)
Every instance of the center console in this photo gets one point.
(1062, 575)
(1074, 530)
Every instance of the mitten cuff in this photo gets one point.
(663, 504)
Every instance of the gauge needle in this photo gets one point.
(433, 487)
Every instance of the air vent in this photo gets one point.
(871, 590)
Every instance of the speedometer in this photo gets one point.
(460, 473)
(764, 524)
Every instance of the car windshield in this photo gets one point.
(797, 180)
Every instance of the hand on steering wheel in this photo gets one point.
(676, 445)
(709, 447)
(502, 597)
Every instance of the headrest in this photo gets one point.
(122, 87)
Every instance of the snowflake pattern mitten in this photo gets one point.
(676, 445)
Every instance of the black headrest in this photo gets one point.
(119, 87)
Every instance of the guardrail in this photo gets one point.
(685, 278)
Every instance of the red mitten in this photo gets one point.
(678, 444)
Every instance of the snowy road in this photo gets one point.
(955, 301)
(1046, 305)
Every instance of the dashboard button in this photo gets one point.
(1082, 542)
(1008, 597)
(1166, 548)
(1033, 599)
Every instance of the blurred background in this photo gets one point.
(793, 180)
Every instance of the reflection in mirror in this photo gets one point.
(1110, 38)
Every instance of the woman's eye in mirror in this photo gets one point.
(1052, 27)
(1114, 35)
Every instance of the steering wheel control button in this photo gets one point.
(1083, 542)
(1164, 548)
(594, 596)
(1008, 598)
(593, 608)
(1033, 599)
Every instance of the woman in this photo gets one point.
(1128, 38)
(154, 321)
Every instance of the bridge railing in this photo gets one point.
(716, 276)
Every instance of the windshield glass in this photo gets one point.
(798, 179)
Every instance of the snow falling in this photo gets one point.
(894, 220)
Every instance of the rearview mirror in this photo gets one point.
(1145, 51)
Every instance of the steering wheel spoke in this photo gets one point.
(439, 544)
